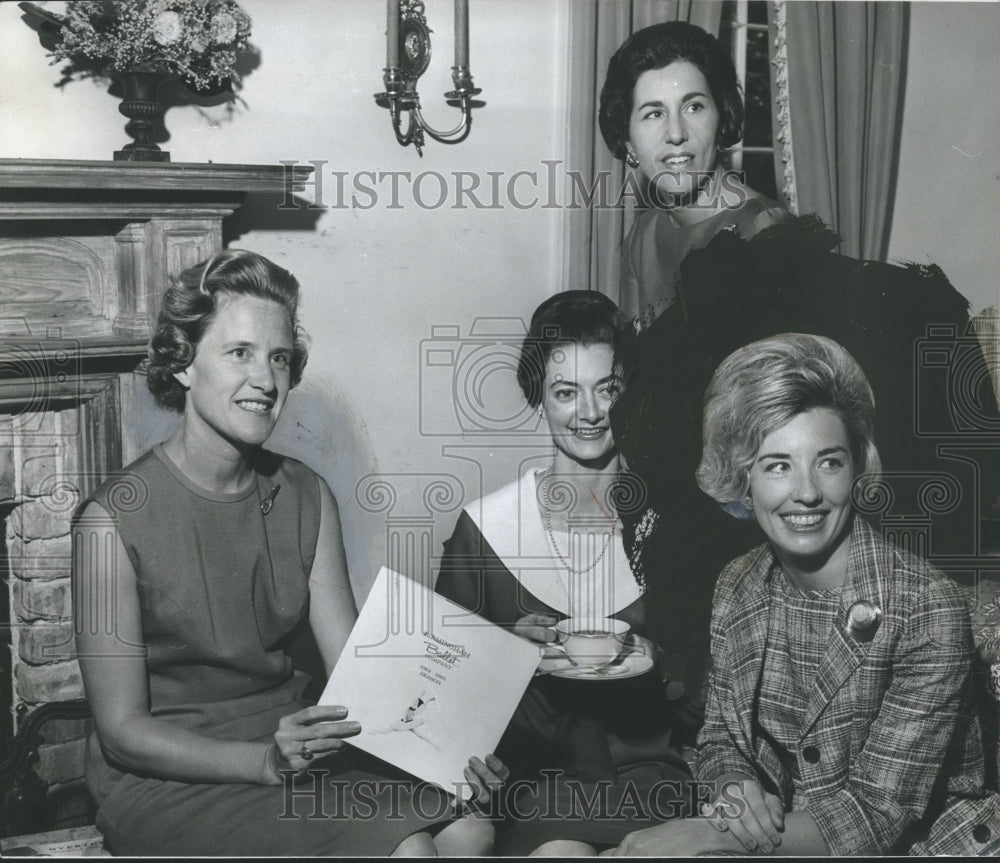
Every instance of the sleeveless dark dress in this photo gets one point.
(224, 593)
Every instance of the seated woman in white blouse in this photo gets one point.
(548, 546)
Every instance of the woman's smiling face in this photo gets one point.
(241, 373)
(800, 487)
(674, 128)
(579, 388)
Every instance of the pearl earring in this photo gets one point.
(631, 159)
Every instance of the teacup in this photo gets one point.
(589, 642)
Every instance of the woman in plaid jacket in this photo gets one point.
(841, 716)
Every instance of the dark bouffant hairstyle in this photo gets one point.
(654, 48)
(189, 307)
(572, 317)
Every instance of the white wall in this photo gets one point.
(947, 208)
(374, 280)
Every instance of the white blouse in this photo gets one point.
(510, 521)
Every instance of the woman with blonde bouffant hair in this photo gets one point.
(841, 715)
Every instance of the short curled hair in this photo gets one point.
(581, 318)
(762, 386)
(190, 305)
(656, 47)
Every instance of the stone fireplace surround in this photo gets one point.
(85, 250)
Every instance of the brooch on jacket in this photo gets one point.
(863, 619)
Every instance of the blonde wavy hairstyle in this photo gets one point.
(761, 387)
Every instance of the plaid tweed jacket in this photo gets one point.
(890, 754)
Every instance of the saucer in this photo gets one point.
(634, 664)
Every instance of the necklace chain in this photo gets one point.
(552, 538)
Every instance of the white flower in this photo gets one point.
(167, 27)
(863, 617)
(223, 28)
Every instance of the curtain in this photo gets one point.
(593, 234)
(845, 79)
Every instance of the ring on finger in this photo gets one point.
(305, 753)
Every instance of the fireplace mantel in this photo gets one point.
(86, 247)
(189, 176)
(43, 189)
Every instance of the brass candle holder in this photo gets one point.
(408, 54)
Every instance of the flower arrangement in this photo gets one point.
(197, 40)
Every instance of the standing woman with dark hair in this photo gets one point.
(194, 569)
(670, 106)
(548, 546)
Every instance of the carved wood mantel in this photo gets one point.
(88, 246)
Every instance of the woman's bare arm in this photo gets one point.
(332, 610)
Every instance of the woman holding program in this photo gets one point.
(197, 567)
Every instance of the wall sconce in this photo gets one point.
(408, 53)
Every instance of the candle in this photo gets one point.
(392, 35)
(461, 32)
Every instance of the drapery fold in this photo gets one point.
(846, 77)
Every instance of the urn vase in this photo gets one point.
(141, 104)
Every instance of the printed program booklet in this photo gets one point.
(431, 683)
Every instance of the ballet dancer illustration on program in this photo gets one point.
(413, 719)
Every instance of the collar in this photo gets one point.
(510, 521)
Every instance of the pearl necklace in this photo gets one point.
(552, 538)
